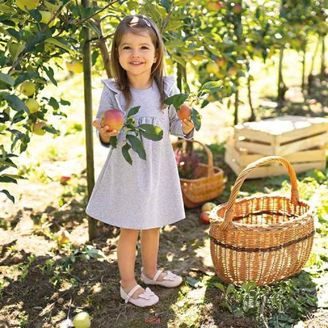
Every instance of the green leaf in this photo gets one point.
(94, 57)
(166, 4)
(196, 118)
(36, 15)
(211, 86)
(6, 9)
(17, 35)
(219, 286)
(53, 103)
(50, 73)
(152, 132)
(7, 193)
(136, 145)
(14, 102)
(125, 153)
(113, 141)
(193, 282)
(133, 111)
(93, 253)
(7, 162)
(176, 100)
(51, 129)
(7, 79)
(204, 103)
(7, 179)
(36, 39)
(58, 43)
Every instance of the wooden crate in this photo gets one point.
(238, 159)
(282, 135)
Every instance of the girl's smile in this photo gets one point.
(137, 55)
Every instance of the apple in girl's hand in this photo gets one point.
(204, 217)
(113, 118)
(184, 112)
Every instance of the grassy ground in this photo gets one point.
(44, 280)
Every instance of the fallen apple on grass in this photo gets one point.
(113, 118)
(62, 237)
(204, 217)
(82, 320)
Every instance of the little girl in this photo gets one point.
(146, 195)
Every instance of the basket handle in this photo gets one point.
(229, 213)
(210, 169)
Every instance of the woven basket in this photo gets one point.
(209, 181)
(263, 238)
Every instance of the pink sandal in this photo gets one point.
(147, 298)
(169, 280)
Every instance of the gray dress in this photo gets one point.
(146, 194)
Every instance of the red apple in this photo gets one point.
(221, 62)
(220, 5)
(214, 5)
(63, 179)
(204, 217)
(237, 8)
(113, 118)
(184, 112)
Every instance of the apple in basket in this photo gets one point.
(204, 217)
(208, 206)
(113, 118)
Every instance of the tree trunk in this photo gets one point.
(281, 84)
(303, 68)
(235, 114)
(249, 96)
(105, 55)
(88, 118)
(322, 65)
(310, 76)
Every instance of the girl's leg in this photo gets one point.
(149, 251)
(126, 257)
(149, 254)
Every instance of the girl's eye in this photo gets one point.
(144, 47)
(124, 48)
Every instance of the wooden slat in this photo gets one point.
(302, 144)
(244, 158)
(283, 135)
(301, 161)
(254, 147)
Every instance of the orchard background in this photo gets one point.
(264, 58)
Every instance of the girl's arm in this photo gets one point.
(102, 132)
(180, 129)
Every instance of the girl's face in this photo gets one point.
(137, 54)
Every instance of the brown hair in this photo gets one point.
(136, 24)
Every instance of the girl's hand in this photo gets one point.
(187, 126)
(104, 132)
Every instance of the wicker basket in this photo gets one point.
(262, 238)
(209, 181)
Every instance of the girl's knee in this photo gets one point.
(130, 232)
